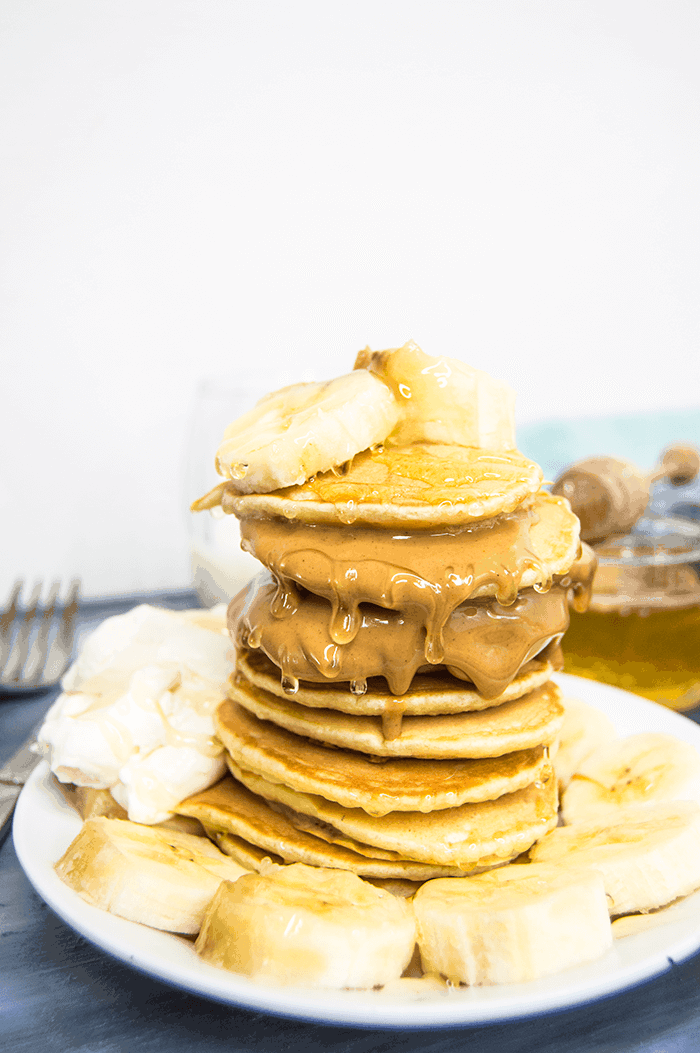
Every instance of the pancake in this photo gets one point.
(355, 780)
(482, 642)
(436, 692)
(433, 570)
(245, 826)
(422, 485)
(533, 720)
(470, 835)
(243, 852)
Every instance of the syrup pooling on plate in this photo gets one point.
(483, 642)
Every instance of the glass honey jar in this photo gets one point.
(642, 629)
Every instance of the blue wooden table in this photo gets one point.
(59, 994)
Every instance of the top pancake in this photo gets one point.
(422, 485)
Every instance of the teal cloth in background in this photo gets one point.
(638, 437)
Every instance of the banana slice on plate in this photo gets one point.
(648, 855)
(511, 925)
(303, 429)
(642, 769)
(584, 730)
(308, 925)
(161, 878)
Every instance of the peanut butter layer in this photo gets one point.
(431, 572)
(425, 484)
(431, 693)
(533, 720)
(467, 836)
(357, 781)
(230, 813)
(482, 641)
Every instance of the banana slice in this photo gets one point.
(684, 911)
(647, 855)
(641, 769)
(161, 878)
(93, 803)
(303, 429)
(513, 924)
(584, 730)
(443, 400)
(308, 925)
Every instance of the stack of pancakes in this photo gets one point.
(392, 712)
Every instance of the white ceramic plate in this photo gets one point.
(45, 825)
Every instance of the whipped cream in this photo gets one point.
(136, 715)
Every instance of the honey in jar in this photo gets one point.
(642, 629)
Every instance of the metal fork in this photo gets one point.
(33, 658)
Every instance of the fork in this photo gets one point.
(30, 659)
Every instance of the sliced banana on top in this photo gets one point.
(402, 395)
(648, 855)
(303, 429)
(162, 878)
(443, 400)
(513, 924)
(642, 769)
(309, 925)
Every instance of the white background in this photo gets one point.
(217, 186)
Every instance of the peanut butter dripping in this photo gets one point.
(483, 641)
(392, 718)
(427, 574)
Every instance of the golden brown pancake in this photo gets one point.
(533, 720)
(242, 823)
(470, 835)
(421, 485)
(355, 781)
(435, 692)
(434, 570)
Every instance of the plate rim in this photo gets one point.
(464, 1007)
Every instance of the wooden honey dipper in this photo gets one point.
(609, 494)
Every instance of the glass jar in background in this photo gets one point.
(219, 568)
(642, 629)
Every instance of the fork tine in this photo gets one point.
(19, 651)
(62, 647)
(40, 646)
(7, 621)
